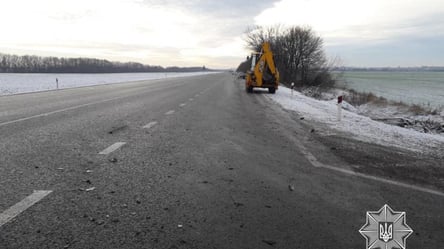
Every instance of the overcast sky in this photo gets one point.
(199, 32)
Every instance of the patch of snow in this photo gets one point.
(360, 127)
(347, 106)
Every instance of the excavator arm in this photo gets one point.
(263, 72)
(265, 69)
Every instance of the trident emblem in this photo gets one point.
(386, 231)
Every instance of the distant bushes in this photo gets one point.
(37, 64)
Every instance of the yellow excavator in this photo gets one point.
(263, 72)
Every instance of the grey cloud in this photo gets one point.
(229, 17)
(225, 8)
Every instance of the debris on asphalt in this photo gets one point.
(269, 242)
(238, 204)
(290, 187)
(302, 118)
(113, 160)
(100, 222)
(117, 129)
(90, 189)
(312, 130)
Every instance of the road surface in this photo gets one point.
(192, 163)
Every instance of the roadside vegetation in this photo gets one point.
(413, 116)
(360, 98)
(298, 53)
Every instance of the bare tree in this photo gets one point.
(299, 53)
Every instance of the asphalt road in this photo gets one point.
(203, 165)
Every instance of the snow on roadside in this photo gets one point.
(14, 83)
(361, 127)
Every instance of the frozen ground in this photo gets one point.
(23, 83)
(422, 88)
(359, 127)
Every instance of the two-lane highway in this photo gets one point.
(182, 163)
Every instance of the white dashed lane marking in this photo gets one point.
(24, 204)
(149, 125)
(191, 99)
(183, 104)
(112, 148)
(169, 112)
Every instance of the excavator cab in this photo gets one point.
(263, 72)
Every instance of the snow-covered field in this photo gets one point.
(422, 88)
(23, 83)
(358, 126)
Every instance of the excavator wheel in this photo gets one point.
(249, 89)
(271, 90)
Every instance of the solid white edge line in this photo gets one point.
(112, 148)
(315, 163)
(380, 179)
(150, 125)
(21, 206)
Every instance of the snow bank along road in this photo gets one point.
(197, 163)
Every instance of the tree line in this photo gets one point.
(37, 64)
(298, 53)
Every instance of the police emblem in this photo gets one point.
(385, 229)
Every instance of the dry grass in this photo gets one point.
(361, 98)
(357, 98)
